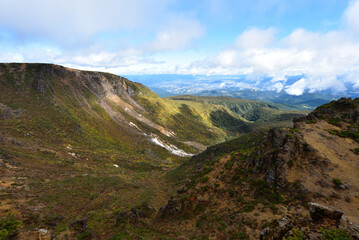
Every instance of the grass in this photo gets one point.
(334, 234)
(346, 134)
(9, 227)
(297, 235)
(334, 121)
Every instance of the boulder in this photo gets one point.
(7, 113)
(320, 213)
(44, 234)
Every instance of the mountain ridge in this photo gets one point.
(99, 139)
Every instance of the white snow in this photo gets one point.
(72, 154)
(171, 134)
(134, 126)
(171, 148)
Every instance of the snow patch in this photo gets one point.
(171, 134)
(72, 154)
(171, 148)
(134, 126)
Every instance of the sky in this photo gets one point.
(275, 38)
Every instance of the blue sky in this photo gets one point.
(318, 38)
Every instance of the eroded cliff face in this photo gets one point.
(111, 99)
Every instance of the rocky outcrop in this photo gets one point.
(324, 214)
(273, 155)
(7, 113)
(135, 214)
(343, 108)
(172, 209)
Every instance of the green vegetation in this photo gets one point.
(223, 119)
(311, 121)
(85, 137)
(337, 181)
(247, 109)
(346, 134)
(334, 234)
(9, 227)
(356, 150)
(334, 121)
(297, 235)
(264, 191)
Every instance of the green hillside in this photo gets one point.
(101, 141)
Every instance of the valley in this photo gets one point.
(77, 144)
(91, 155)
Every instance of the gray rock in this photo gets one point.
(182, 189)
(270, 176)
(320, 213)
(341, 187)
(7, 113)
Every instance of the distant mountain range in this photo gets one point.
(264, 89)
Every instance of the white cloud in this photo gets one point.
(177, 34)
(328, 60)
(352, 17)
(67, 21)
(256, 38)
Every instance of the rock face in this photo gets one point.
(273, 155)
(320, 213)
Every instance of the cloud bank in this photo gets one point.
(328, 60)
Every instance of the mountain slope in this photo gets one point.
(294, 183)
(249, 110)
(77, 144)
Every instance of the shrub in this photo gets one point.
(337, 181)
(311, 121)
(204, 179)
(334, 121)
(297, 235)
(356, 150)
(334, 234)
(239, 235)
(249, 207)
(9, 227)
